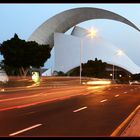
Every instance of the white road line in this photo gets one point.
(31, 112)
(79, 109)
(117, 95)
(28, 113)
(125, 92)
(26, 129)
(103, 100)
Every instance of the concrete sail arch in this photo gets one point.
(69, 18)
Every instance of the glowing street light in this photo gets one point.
(91, 33)
(119, 52)
(120, 75)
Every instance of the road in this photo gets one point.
(67, 111)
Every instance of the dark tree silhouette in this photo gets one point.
(19, 55)
(92, 68)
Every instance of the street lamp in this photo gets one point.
(120, 75)
(91, 33)
(119, 52)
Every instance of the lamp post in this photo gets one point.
(113, 74)
(81, 46)
(91, 33)
(119, 52)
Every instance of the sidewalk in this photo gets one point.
(133, 128)
(130, 127)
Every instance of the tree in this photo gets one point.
(61, 73)
(136, 76)
(19, 55)
(92, 68)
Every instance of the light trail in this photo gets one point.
(103, 82)
(23, 97)
(2, 90)
(39, 102)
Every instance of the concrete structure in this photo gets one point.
(67, 51)
(132, 129)
(67, 19)
(53, 29)
(47, 72)
(3, 76)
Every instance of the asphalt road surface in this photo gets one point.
(66, 111)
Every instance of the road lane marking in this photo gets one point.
(30, 112)
(79, 109)
(125, 92)
(117, 95)
(26, 129)
(103, 100)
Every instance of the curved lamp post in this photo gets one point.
(91, 33)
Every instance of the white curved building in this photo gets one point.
(67, 52)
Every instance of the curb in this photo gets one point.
(118, 131)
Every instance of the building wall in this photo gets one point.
(67, 53)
